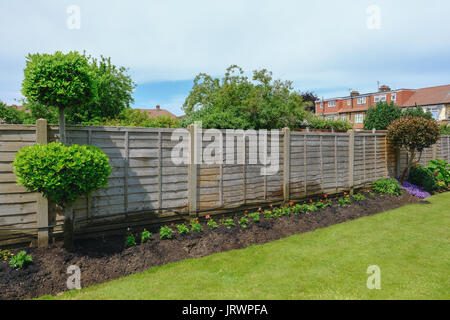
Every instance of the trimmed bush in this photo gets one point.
(414, 134)
(422, 177)
(387, 186)
(62, 173)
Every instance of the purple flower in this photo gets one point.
(415, 190)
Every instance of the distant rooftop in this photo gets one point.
(158, 112)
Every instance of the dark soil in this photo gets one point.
(105, 259)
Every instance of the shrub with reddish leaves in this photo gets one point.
(414, 134)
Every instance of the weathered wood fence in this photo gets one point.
(147, 187)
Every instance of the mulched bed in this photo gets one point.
(105, 259)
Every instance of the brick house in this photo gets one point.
(354, 107)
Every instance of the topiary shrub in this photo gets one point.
(414, 134)
(423, 177)
(387, 186)
(61, 173)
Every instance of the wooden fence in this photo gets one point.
(146, 187)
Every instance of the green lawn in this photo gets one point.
(410, 245)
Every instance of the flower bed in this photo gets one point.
(414, 190)
(105, 259)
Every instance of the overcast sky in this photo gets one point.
(324, 46)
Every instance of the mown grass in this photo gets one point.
(409, 244)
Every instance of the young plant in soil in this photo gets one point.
(130, 240)
(323, 204)
(297, 209)
(345, 201)
(244, 221)
(268, 214)
(277, 212)
(183, 229)
(5, 255)
(359, 197)
(229, 223)
(286, 211)
(310, 208)
(196, 226)
(20, 260)
(145, 236)
(165, 232)
(255, 216)
(211, 223)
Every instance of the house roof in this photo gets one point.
(429, 96)
(158, 112)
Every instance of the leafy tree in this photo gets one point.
(11, 115)
(414, 134)
(236, 102)
(417, 112)
(445, 129)
(114, 90)
(380, 116)
(310, 98)
(137, 118)
(39, 111)
(59, 80)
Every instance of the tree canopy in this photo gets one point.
(89, 89)
(414, 134)
(380, 116)
(237, 102)
(58, 80)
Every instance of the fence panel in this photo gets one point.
(147, 186)
(18, 207)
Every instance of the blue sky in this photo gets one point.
(323, 46)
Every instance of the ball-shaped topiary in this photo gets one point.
(414, 134)
(62, 173)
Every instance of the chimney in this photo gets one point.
(384, 88)
(158, 107)
(354, 93)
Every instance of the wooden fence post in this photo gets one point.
(351, 159)
(435, 155)
(42, 203)
(286, 163)
(192, 170)
(397, 162)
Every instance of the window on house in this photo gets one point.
(349, 102)
(331, 104)
(435, 113)
(394, 96)
(379, 98)
(321, 105)
(359, 118)
(343, 118)
(362, 100)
